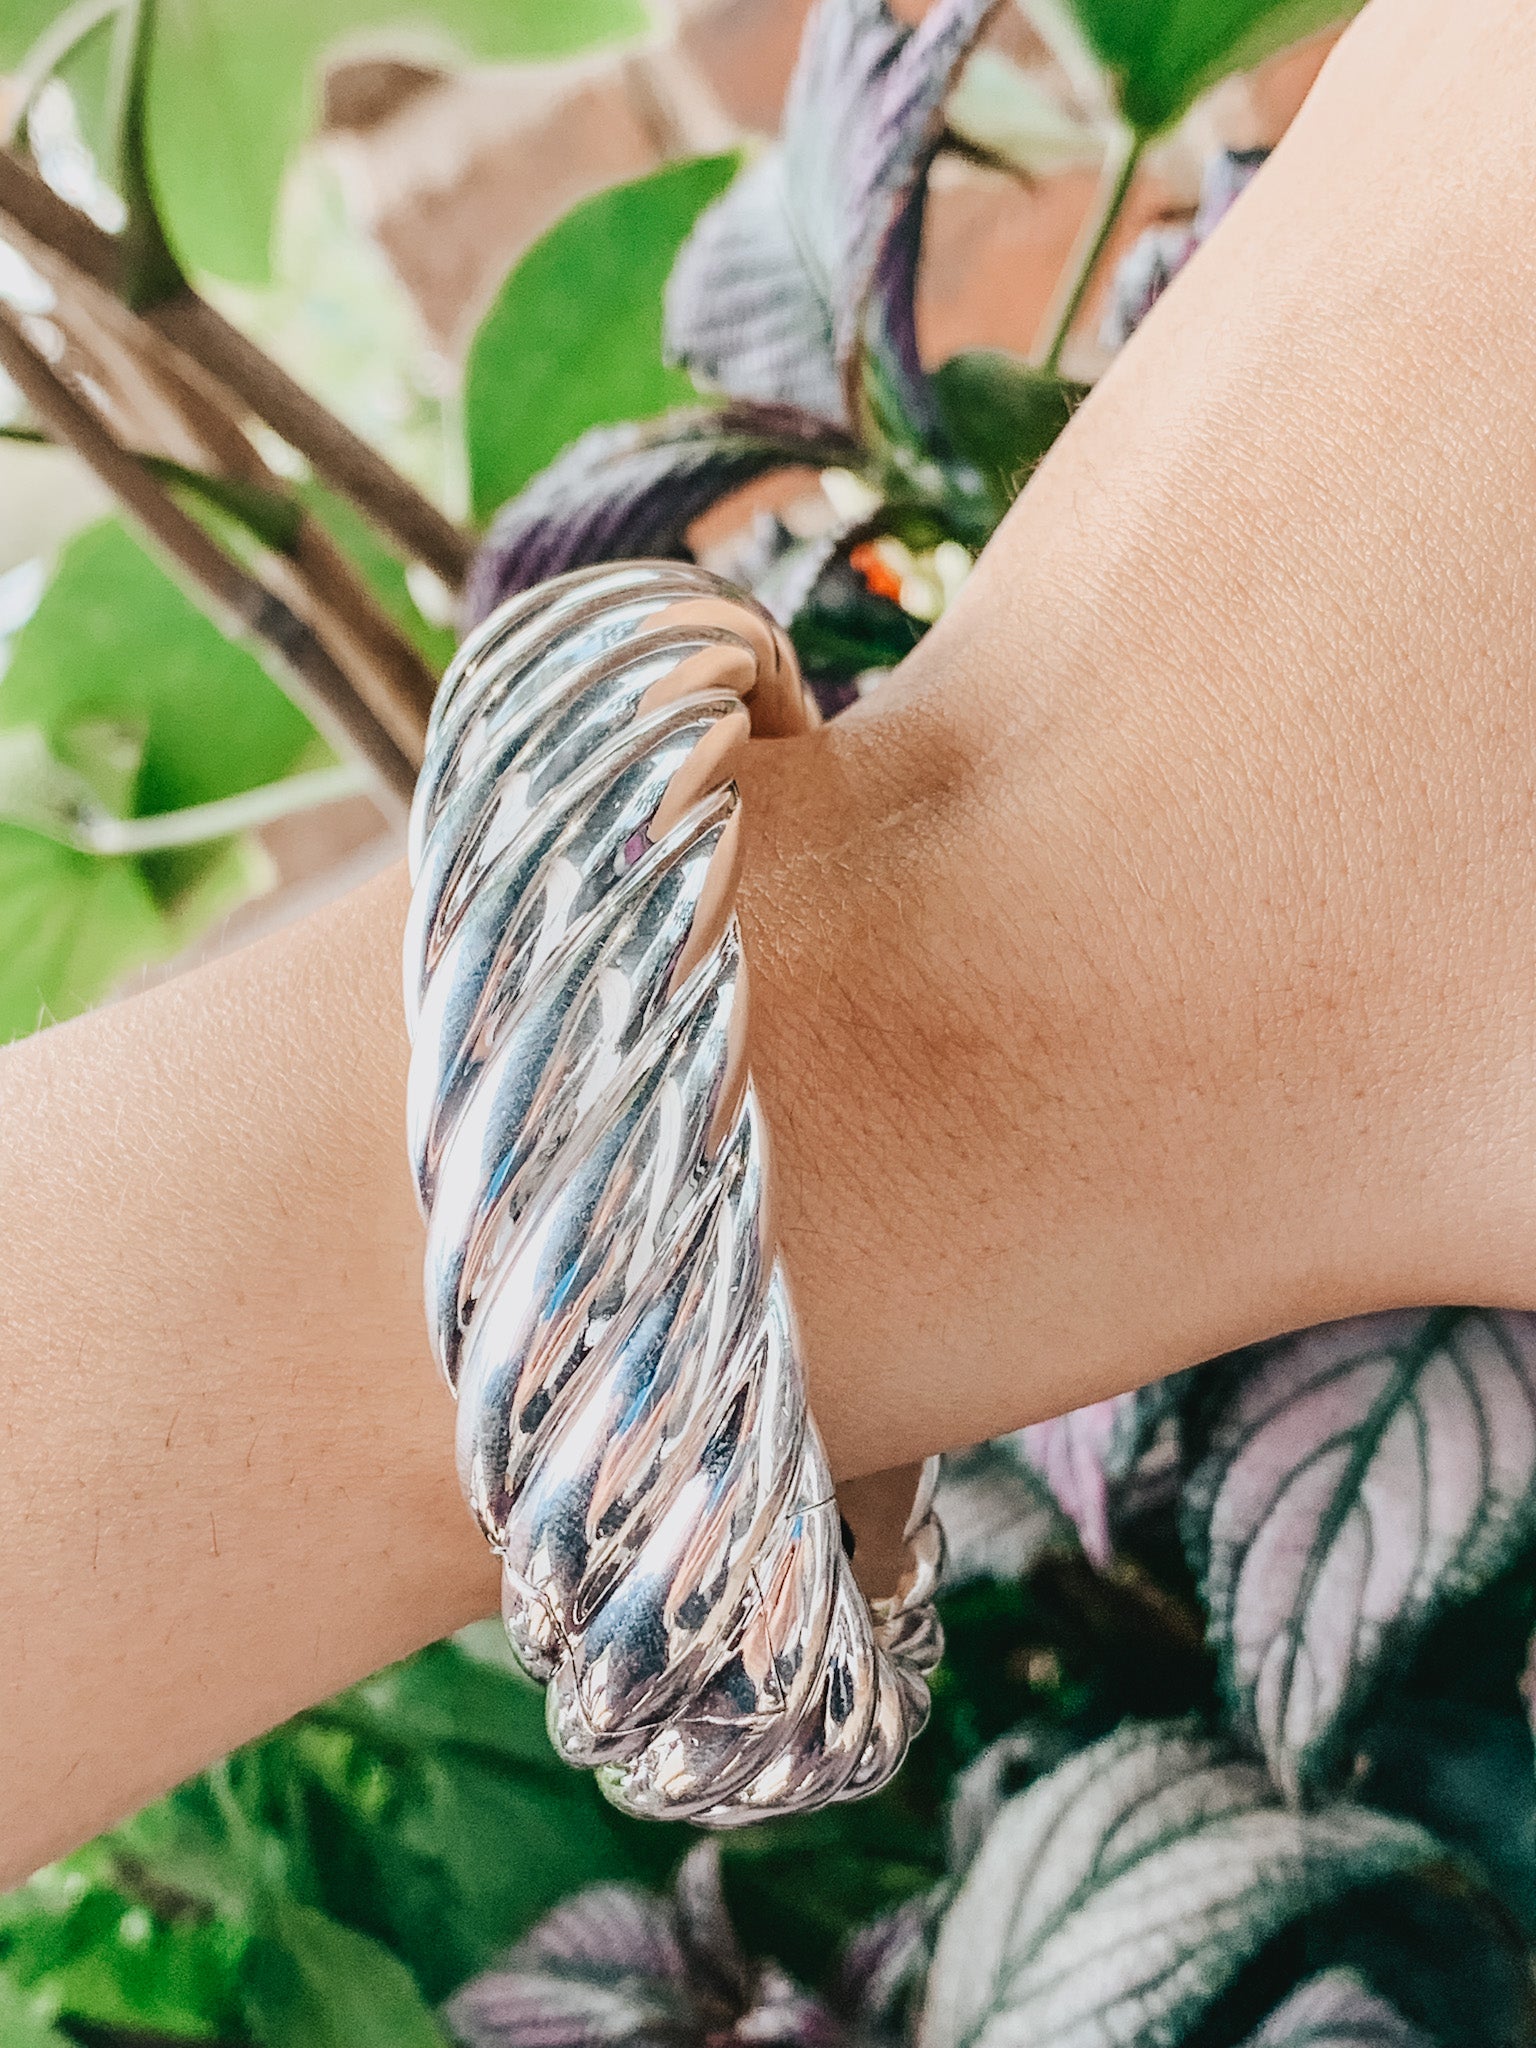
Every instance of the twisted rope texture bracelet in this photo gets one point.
(603, 1289)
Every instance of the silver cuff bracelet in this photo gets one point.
(603, 1287)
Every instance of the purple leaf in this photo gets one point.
(704, 1927)
(1358, 1476)
(1158, 255)
(603, 1967)
(744, 310)
(1117, 1898)
(1226, 176)
(1142, 275)
(1068, 1452)
(768, 299)
(996, 1515)
(1001, 1772)
(884, 1964)
(608, 1928)
(636, 489)
(781, 2013)
(617, 1968)
(1086, 1454)
(1336, 2010)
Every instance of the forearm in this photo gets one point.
(1203, 828)
(226, 1466)
(1149, 967)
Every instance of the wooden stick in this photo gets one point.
(335, 453)
(246, 609)
(175, 407)
(338, 455)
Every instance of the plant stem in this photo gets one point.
(239, 601)
(337, 455)
(246, 812)
(1120, 168)
(189, 413)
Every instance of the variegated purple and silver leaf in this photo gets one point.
(1069, 1453)
(769, 295)
(605, 1967)
(883, 1968)
(745, 311)
(1161, 251)
(1088, 1457)
(996, 1512)
(1337, 2010)
(1224, 178)
(615, 1967)
(622, 491)
(1358, 1476)
(1141, 277)
(714, 1957)
(1000, 1773)
(1120, 1895)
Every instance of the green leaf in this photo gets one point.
(24, 2021)
(844, 628)
(50, 794)
(440, 1820)
(76, 1939)
(71, 927)
(310, 1983)
(115, 643)
(574, 337)
(232, 95)
(1002, 415)
(1467, 1773)
(1162, 54)
(22, 22)
(115, 638)
(272, 516)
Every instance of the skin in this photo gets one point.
(1146, 970)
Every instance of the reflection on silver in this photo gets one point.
(602, 1287)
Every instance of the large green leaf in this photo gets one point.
(574, 337)
(74, 1939)
(21, 23)
(1161, 54)
(441, 1821)
(232, 94)
(71, 926)
(232, 90)
(310, 1983)
(115, 640)
(24, 2021)
(1465, 1772)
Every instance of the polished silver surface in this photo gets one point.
(603, 1289)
